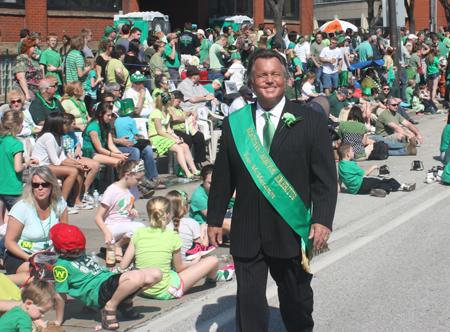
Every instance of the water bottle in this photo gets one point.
(94, 257)
(111, 255)
(96, 201)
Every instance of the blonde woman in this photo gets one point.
(73, 103)
(295, 66)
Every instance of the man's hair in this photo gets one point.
(411, 82)
(266, 54)
(159, 79)
(222, 37)
(261, 26)
(151, 40)
(41, 292)
(292, 36)
(85, 32)
(366, 36)
(390, 101)
(77, 43)
(134, 30)
(35, 35)
(334, 39)
(23, 33)
(105, 95)
(423, 86)
(158, 44)
(225, 29)
(118, 51)
(351, 87)
(126, 29)
(43, 85)
(343, 149)
(208, 169)
(170, 37)
(110, 87)
(385, 84)
(52, 35)
(188, 26)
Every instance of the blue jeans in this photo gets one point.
(212, 75)
(318, 83)
(147, 154)
(9, 200)
(403, 113)
(395, 148)
(403, 79)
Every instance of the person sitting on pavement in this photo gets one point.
(86, 281)
(388, 127)
(386, 92)
(45, 103)
(141, 97)
(194, 93)
(358, 181)
(337, 102)
(30, 219)
(49, 150)
(245, 98)
(116, 213)
(161, 84)
(445, 139)
(159, 247)
(177, 122)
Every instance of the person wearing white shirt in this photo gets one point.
(331, 59)
(303, 51)
(236, 72)
(142, 99)
(243, 100)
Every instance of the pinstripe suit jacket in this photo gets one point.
(303, 153)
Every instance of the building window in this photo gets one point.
(12, 4)
(290, 10)
(85, 5)
(219, 8)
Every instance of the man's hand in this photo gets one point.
(215, 235)
(320, 233)
(125, 141)
(420, 138)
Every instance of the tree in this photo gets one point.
(446, 6)
(373, 20)
(410, 12)
(277, 8)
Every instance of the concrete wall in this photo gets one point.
(346, 10)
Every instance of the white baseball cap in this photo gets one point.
(200, 31)
(411, 36)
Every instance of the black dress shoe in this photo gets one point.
(413, 122)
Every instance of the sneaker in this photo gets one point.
(194, 252)
(72, 210)
(409, 186)
(411, 146)
(83, 207)
(88, 199)
(206, 250)
(378, 192)
(224, 274)
(430, 177)
(434, 170)
(440, 170)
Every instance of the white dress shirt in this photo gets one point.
(275, 115)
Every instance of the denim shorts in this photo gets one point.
(433, 76)
(330, 79)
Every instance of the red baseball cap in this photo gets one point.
(67, 238)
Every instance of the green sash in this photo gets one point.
(269, 180)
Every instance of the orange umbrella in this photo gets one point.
(332, 26)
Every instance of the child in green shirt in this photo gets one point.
(78, 275)
(359, 182)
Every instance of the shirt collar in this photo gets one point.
(276, 111)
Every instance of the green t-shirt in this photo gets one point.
(384, 119)
(16, 320)
(154, 248)
(73, 61)
(81, 278)
(157, 114)
(180, 126)
(205, 45)
(336, 105)
(409, 95)
(209, 88)
(445, 138)
(445, 177)
(326, 42)
(414, 62)
(364, 50)
(39, 110)
(199, 202)
(94, 126)
(169, 62)
(10, 181)
(51, 57)
(230, 40)
(291, 45)
(215, 57)
(351, 175)
(353, 101)
(290, 93)
(111, 72)
(18, 48)
(296, 62)
(433, 68)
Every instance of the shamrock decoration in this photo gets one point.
(290, 119)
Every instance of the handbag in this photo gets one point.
(142, 144)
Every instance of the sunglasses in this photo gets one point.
(54, 85)
(36, 185)
(386, 89)
(18, 101)
(394, 105)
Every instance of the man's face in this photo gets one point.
(392, 107)
(196, 78)
(319, 38)
(51, 90)
(340, 96)
(268, 82)
(136, 35)
(216, 86)
(247, 32)
(386, 90)
(112, 36)
(52, 42)
(89, 37)
(350, 94)
(333, 44)
(206, 183)
(230, 30)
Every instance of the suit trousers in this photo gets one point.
(294, 293)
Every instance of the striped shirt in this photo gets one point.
(73, 61)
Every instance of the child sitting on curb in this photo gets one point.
(359, 182)
(78, 275)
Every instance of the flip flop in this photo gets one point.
(161, 186)
(106, 323)
(119, 260)
(127, 311)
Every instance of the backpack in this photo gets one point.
(379, 152)
(42, 264)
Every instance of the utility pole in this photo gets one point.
(395, 41)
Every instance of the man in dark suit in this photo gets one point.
(260, 238)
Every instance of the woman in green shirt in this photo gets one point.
(433, 72)
(157, 66)
(295, 65)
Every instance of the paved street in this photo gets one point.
(386, 270)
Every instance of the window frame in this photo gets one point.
(19, 4)
(70, 7)
(290, 18)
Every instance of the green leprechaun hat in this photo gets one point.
(126, 107)
(367, 91)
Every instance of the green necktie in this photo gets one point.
(268, 132)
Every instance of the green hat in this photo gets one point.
(126, 107)
(235, 56)
(337, 31)
(138, 77)
(367, 91)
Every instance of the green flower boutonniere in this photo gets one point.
(290, 119)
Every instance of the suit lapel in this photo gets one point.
(282, 130)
